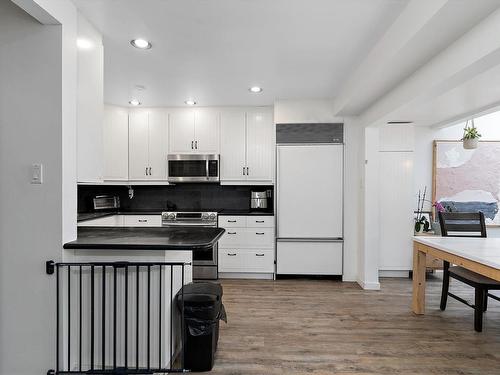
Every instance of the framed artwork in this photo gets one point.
(468, 180)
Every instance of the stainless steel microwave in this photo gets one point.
(193, 167)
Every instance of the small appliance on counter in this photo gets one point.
(106, 202)
(259, 200)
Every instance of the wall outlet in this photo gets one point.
(37, 174)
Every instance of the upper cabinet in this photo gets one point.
(233, 145)
(90, 105)
(247, 146)
(115, 140)
(194, 131)
(147, 144)
(260, 145)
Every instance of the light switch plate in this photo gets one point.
(37, 174)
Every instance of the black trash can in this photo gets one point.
(203, 309)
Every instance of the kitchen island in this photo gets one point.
(123, 281)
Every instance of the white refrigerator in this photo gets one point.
(309, 209)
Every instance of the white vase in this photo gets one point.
(470, 144)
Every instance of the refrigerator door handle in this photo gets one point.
(318, 239)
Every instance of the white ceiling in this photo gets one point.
(214, 50)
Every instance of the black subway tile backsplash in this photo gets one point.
(173, 197)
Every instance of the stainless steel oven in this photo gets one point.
(193, 167)
(204, 261)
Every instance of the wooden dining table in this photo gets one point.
(481, 255)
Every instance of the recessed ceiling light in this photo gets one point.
(83, 43)
(141, 43)
(190, 102)
(134, 102)
(255, 89)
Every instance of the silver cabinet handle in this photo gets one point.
(259, 221)
(192, 145)
(260, 255)
(150, 173)
(243, 171)
(248, 173)
(259, 233)
(231, 232)
(231, 221)
(231, 254)
(143, 221)
(146, 173)
(196, 145)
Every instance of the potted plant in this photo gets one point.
(471, 136)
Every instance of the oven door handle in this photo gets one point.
(188, 225)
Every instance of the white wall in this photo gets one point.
(37, 125)
(90, 103)
(311, 111)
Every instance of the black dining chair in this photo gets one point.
(466, 224)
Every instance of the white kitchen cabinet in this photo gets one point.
(247, 146)
(206, 131)
(247, 246)
(260, 145)
(233, 145)
(158, 133)
(147, 145)
(142, 220)
(123, 221)
(396, 226)
(106, 221)
(115, 141)
(181, 131)
(246, 261)
(194, 131)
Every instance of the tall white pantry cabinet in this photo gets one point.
(136, 142)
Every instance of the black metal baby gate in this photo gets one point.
(119, 317)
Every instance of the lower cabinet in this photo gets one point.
(246, 260)
(123, 221)
(248, 244)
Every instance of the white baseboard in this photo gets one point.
(369, 285)
(390, 273)
(242, 275)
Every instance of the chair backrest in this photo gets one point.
(462, 224)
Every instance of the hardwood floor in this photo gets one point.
(327, 327)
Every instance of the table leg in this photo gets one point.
(419, 267)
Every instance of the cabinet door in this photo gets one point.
(158, 133)
(138, 145)
(181, 131)
(115, 139)
(206, 131)
(260, 145)
(233, 145)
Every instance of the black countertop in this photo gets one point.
(198, 238)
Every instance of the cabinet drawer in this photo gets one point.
(232, 221)
(231, 260)
(260, 261)
(107, 221)
(233, 237)
(259, 237)
(142, 220)
(260, 221)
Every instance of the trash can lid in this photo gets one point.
(203, 288)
